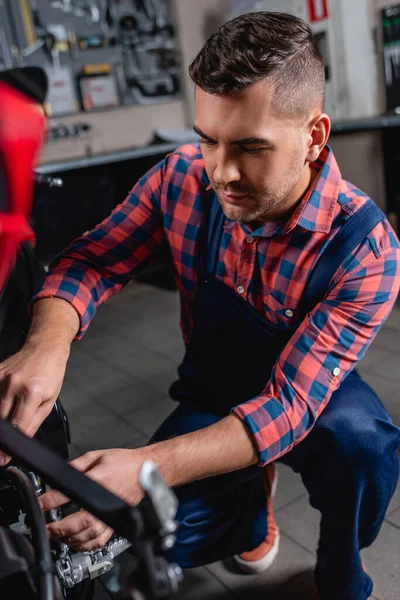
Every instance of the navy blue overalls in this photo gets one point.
(348, 461)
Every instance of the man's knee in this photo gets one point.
(362, 444)
(356, 429)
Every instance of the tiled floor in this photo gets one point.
(115, 393)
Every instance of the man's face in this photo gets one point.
(255, 160)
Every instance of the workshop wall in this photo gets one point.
(113, 77)
(114, 130)
(360, 155)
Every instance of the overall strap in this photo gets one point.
(211, 238)
(352, 234)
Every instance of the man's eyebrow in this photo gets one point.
(253, 140)
(202, 134)
(240, 142)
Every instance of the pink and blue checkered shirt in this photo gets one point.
(169, 204)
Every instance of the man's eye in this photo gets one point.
(207, 142)
(252, 150)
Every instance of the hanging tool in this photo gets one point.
(27, 20)
(64, 5)
(94, 11)
(109, 16)
(5, 49)
(42, 38)
(14, 47)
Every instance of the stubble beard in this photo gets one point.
(255, 209)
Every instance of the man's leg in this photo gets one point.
(350, 467)
(219, 516)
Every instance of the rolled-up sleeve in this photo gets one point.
(102, 261)
(323, 351)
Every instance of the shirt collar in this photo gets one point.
(317, 209)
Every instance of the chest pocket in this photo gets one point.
(284, 317)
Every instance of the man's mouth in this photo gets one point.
(233, 198)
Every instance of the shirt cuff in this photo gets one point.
(269, 425)
(80, 299)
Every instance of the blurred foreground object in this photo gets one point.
(22, 128)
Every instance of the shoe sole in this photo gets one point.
(262, 564)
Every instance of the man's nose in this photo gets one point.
(226, 170)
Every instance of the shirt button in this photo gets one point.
(336, 371)
(289, 313)
(250, 239)
(240, 289)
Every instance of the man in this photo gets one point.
(276, 313)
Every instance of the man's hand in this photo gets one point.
(117, 470)
(30, 381)
(221, 448)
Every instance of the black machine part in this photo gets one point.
(48, 588)
(149, 527)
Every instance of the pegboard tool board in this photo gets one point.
(391, 49)
(98, 54)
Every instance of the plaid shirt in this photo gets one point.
(169, 203)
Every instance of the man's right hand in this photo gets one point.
(31, 379)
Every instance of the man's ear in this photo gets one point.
(319, 129)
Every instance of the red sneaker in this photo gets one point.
(262, 557)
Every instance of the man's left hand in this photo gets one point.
(118, 471)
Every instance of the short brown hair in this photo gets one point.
(261, 45)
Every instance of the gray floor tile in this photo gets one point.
(291, 560)
(99, 341)
(137, 361)
(388, 338)
(290, 486)
(373, 356)
(159, 337)
(300, 522)
(124, 401)
(393, 320)
(381, 385)
(200, 584)
(395, 502)
(78, 358)
(162, 380)
(391, 402)
(147, 418)
(394, 518)
(382, 562)
(299, 587)
(72, 396)
(387, 366)
(93, 427)
(133, 439)
(98, 377)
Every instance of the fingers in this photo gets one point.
(22, 405)
(86, 461)
(7, 395)
(26, 409)
(40, 415)
(81, 531)
(26, 415)
(4, 459)
(52, 499)
(7, 400)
